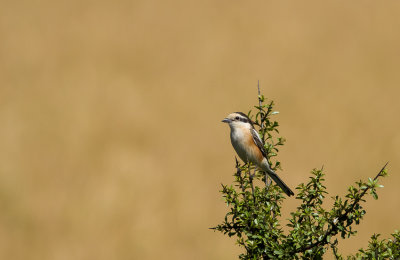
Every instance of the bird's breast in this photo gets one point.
(243, 143)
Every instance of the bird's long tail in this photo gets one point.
(278, 181)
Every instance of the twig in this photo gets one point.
(267, 180)
(239, 174)
(334, 249)
(241, 181)
(251, 183)
(259, 102)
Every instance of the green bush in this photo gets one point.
(254, 208)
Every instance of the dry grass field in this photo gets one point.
(111, 145)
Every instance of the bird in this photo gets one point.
(249, 146)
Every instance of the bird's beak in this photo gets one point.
(226, 120)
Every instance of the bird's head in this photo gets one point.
(238, 119)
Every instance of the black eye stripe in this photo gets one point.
(244, 120)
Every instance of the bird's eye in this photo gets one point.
(237, 118)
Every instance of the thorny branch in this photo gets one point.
(333, 224)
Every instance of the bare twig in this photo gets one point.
(259, 102)
(268, 182)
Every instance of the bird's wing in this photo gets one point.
(257, 140)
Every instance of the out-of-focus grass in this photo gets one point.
(111, 144)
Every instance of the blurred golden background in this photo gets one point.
(111, 144)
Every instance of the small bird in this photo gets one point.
(249, 146)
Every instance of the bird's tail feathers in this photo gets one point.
(279, 182)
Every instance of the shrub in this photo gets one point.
(255, 207)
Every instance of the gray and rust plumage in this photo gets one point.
(249, 146)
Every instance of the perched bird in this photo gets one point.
(250, 147)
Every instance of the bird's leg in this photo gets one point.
(251, 176)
